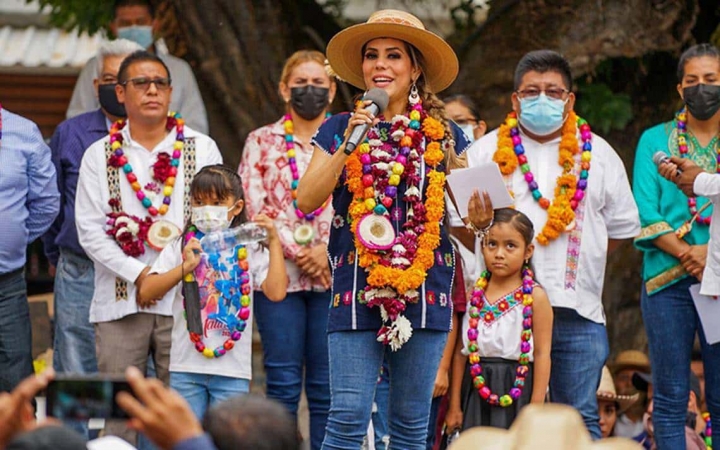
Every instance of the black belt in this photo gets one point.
(7, 276)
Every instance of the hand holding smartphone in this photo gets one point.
(83, 397)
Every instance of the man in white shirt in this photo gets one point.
(135, 20)
(588, 218)
(694, 181)
(139, 173)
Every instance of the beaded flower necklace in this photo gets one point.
(681, 121)
(480, 309)
(119, 160)
(292, 162)
(569, 190)
(233, 301)
(397, 264)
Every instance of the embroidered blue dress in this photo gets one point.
(348, 311)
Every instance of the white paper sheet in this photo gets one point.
(485, 177)
(708, 308)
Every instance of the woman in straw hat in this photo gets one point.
(391, 258)
(610, 404)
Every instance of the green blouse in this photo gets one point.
(663, 207)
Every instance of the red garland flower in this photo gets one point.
(161, 168)
(130, 232)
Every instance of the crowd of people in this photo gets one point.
(399, 317)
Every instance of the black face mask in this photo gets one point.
(309, 101)
(702, 100)
(109, 102)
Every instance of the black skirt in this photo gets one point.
(499, 376)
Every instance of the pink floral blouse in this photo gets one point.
(267, 180)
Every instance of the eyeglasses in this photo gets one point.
(556, 93)
(143, 83)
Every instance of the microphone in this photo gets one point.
(379, 103)
(660, 158)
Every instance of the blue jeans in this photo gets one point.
(203, 390)
(16, 360)
(74, 342)
(294, 336)
(671, 322)
(579, 350)
(432, 422)
(380, 413)
(354, 360)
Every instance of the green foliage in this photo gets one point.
(464, 14)
(715, 38)
(86, 15)
(602, 108)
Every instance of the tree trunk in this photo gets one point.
(238, 48)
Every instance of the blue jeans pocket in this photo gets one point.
(74, 268)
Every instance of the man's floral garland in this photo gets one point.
(681, 124)
(373, 174)
(569, 190)
(164, 170)
(130, 232)
(478, 311)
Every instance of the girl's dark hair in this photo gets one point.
(696, 51)
(223, 182)
(520, 222)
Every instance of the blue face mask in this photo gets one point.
(142, 34)
(542, 115)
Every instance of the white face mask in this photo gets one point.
(469, 130)
(211, 218)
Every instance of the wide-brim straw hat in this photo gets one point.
(631, 359)
(344, 51)
(606, 391)
(548, 426)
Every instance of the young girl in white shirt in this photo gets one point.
(212, 362)
(502, 358)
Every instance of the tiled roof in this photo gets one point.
(34, 49)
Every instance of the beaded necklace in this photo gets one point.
(569, 190)
(708, 430)
(292, 161)
(233, 301)
(119, 160)
(681, 121)
(480, 307)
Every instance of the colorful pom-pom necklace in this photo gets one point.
(682, 140)
(120, 161)
(292, 162)
(708, 431)
(479, 310)
(569, 189)
(233, 300)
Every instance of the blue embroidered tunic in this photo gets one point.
(348, 310)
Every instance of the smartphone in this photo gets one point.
(83, 397)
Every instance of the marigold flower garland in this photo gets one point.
(569, 189)
(681, 124)
(481, 310)
(374, 173)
